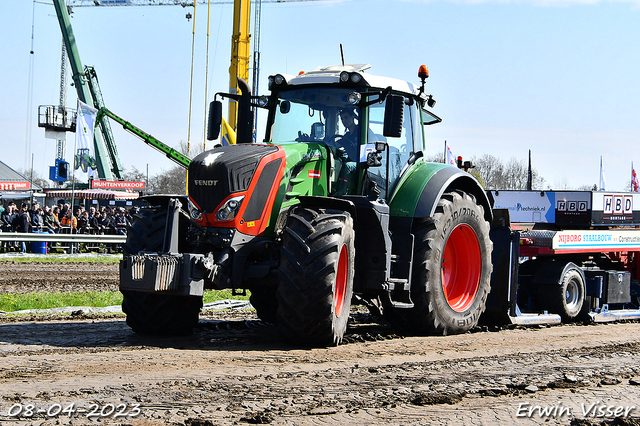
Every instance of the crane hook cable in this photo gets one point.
(27, 145)
(193, 43)
(206, 78)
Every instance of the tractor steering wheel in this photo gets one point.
(333, 139)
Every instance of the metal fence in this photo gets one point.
(67, 243)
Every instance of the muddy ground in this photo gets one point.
(234, 369)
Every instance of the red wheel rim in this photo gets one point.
(342, 275)
(461, 268)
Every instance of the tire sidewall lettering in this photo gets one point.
(462, 210)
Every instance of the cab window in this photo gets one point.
(399, 149)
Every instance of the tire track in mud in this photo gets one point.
(235, 369)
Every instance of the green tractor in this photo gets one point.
(84, 161)
(337, 204)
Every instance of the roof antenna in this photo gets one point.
(342, 54)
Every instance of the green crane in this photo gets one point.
(172, 154)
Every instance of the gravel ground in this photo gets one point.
(235, 369)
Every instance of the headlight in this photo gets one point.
(278, 79)
(229, 209)
(352, 77)
(354, 98)
(263, 101)
(194, 212)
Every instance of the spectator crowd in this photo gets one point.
(61, 219)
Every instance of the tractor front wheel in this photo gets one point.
(156, 313)
(316, 276)
(161, 314)
(263, 299)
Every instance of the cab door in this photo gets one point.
(398, 150)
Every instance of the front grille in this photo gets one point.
(215, 174)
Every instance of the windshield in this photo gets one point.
(318, 114)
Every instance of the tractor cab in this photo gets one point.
(371, 126)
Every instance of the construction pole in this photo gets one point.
(240, 47)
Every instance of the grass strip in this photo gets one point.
(11, 302)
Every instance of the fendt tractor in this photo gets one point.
(336, 205)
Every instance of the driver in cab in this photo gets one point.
(351, 140)
(348, 146)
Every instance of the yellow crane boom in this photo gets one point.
(240, 53)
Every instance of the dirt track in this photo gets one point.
(236, 370)
(18, 277)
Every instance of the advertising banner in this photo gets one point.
(84, 159)
(616, 208)
(120, 184)
(588, 240)
(6, 185)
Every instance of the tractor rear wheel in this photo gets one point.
(316, 276)
(451, 271)
(156, 313)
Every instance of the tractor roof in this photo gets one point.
(331, 75)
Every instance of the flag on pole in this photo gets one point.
(635, 183)
(603, 183)
(450, 158)
(84, 160)
(228, 135)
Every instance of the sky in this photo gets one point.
(558, 77)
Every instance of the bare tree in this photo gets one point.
(134, 174)
(491, 171)
(34, 178)
(434, 158)
(513, 175)
(174, 180)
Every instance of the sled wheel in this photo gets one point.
(567, 298)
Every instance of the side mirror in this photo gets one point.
(393, 116)
(381, 146)
(215, 120)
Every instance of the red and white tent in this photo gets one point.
(93, 194)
